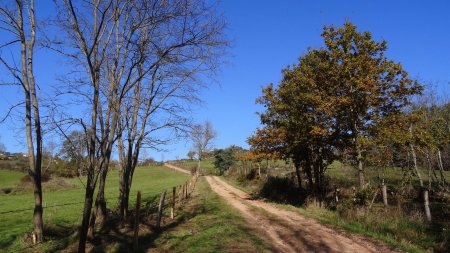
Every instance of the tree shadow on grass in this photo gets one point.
(62, 235)
(118, 236)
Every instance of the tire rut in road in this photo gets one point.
(290, 231)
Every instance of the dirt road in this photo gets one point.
(289, 231)
(170, 166)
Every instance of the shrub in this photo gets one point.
(362, 196)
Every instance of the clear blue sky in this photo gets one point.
(269, 35)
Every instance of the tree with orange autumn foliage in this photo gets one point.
(333, 97)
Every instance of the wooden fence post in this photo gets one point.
(172, 211)
(182, 192)
(180, 197)
(160, 209)
(185, 190)
(136, 220)
(194, 182)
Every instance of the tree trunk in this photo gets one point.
(99, 214)
(299, 176)
(441, 168)
(416, 168)
(88, 200)
(426, 203)
(430, 168)
(360, 167)
(123, 193)
(413, 153)
(309, 174)
(126, 178)
(100, 202)
(433, 176)
(423, 190)
(359, 158)
(38, 210)
(31, 107)
(384, 193)
(198, 167)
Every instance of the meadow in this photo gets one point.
(63, 202)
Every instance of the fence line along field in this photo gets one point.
(64, 201)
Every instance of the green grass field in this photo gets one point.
(63, 202)
(10, 179)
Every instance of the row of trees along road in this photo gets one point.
(349, 99)
(136, 65)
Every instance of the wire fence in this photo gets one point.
(113, 204)
(179, 194)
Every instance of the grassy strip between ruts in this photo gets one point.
(208, 224)
(332, 218)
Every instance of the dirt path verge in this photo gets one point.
(289, 231)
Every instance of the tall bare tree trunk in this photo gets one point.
(32, 115)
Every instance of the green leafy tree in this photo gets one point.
(368, 85)
(334, 98)
(224, 159)
(302, 106)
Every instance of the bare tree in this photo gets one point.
(191, 154)
(183, 40)
(89, 28)
(18, 19)
(202, 137)
(130, 58)
(73, 149)
(120, 74)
